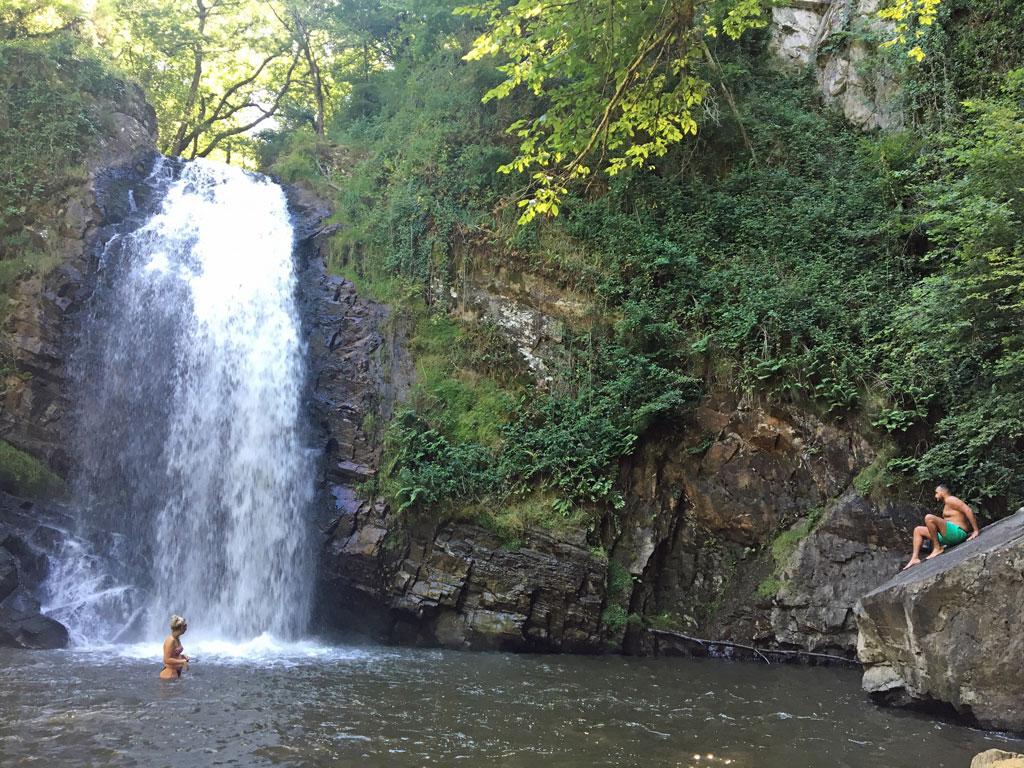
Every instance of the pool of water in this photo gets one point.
(266, 704)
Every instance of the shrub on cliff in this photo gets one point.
(953, 356)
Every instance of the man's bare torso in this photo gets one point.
(952, 512)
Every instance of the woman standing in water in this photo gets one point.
(175, 659)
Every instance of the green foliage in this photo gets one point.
(570, 442)
(566, 445)
(874, 476)
(621, 81)
(871, 278)
(24, 475)
(782, 549)
(785, 544)
(213, 69)
(620, 581)
(615, 618)
(971, 48)
(37, 18)
(769, 588)
(777, 270)
(429, 469)
(952, 355)
(54, 93)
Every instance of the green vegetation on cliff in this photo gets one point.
(873, 278)
(53, 89)
(23, 475)
(725, 229)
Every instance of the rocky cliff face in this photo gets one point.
(37, 336)
(835, 40)
(451, 584)
(945, 635)
(745, 526)
(740, 524)
(37, 344)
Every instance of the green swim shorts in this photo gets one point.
(954, 535)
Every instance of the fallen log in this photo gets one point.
(707, 644)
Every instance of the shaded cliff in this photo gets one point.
(740, 523)
(38, 333)
(39, 337)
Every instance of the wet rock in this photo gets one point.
(945, 635)
(457, 586)
(22, 570)
(8, 574)
(703, 507)
(23, 626)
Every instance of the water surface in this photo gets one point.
(305, 705)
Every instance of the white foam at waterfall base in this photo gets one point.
(264, 650)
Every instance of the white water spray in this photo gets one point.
(219, 503)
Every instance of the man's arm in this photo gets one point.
(969, 514)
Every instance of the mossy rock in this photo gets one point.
(24, 475)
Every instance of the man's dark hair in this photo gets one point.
(941, 487)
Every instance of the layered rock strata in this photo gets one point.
(945, 635)
(451, 584)
(707, 501)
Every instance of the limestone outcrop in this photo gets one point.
(832, 38)
(945, 635)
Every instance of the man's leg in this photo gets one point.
(920, 534)
(935, 525)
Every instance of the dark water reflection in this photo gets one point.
(415, 708)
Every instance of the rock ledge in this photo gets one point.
(945, 635)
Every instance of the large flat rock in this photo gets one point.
(946, 634)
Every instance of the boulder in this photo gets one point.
(997, 758)
(946, 635)
(24, 541)
(23, 626)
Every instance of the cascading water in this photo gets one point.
(191, 374)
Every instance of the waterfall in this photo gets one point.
(189, 432)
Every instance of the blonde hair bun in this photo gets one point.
(177, 622)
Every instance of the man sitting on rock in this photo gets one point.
(945, 531)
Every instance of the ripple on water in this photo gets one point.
(270, 703)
